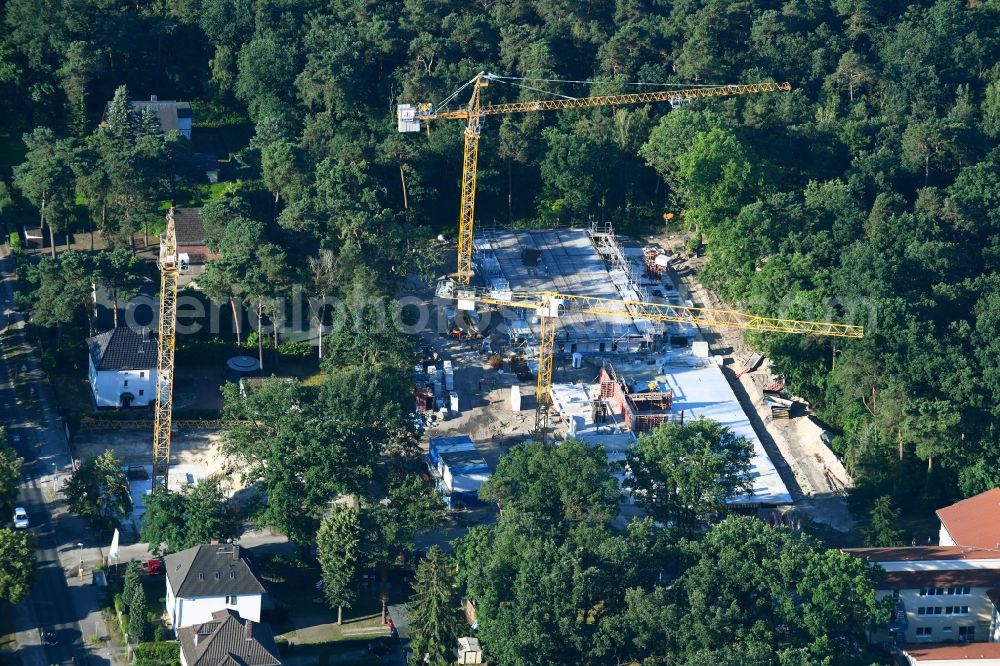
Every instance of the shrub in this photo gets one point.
(14, 242)
(300, 348)
(165, 653)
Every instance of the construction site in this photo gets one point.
(613, 378)
(574, 332)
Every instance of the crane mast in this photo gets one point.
(165, 354)
(410, 118)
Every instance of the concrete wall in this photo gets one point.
(108, 386)
(980, 615)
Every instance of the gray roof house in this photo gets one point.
(192, 248)
(228, 639)
(122, 367)
(172, 115)
(204, 580)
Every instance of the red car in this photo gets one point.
(154, 567)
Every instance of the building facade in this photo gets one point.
(205, 580)
(941, 593)
(122, 368)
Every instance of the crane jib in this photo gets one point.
(428, 112)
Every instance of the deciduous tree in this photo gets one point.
(97, 491)
(682, 474)
(17, 564)
(337, 544)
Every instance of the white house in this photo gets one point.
(228, 639)
(204, 580)
(122, 367)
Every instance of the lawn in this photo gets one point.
(303, 617)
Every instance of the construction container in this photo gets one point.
(439, 445)
(515, 398)
(454, 402)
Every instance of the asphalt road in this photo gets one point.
(40, 438)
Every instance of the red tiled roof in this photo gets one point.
(957, 652)
(922, 553)
(909, 580)
(974, 521)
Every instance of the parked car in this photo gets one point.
(20, 518)
(153, 567)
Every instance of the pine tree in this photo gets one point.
(338, 542)
(148, 123)
(133, 583)
(137, 617)
(434, 611)
(121, 117)
(882, 531)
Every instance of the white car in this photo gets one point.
(20, 518)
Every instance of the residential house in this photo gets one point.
(968, 654)
(973, 522)
(228, 639)
(204, 580)
(192, 251)
(172, 115)
(123, 367)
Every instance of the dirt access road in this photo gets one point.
(816, 478)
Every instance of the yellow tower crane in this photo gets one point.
(165, 354)
(549, 306)
(410, 118)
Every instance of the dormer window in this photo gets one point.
(218, 575)
(232, 574)
(201, 575)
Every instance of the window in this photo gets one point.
(141, 391)
(231, 600)
(142, 375)
(924, 631)
(126, 382)
(946, 630)
(967, 633)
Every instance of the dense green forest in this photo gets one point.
(870, 192)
